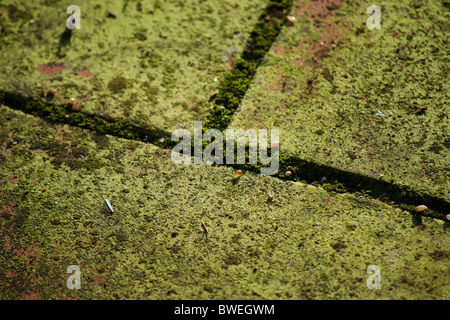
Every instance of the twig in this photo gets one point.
(204, 226)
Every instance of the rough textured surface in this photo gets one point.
(302, 243)
(194, 231)
(349, 97)
(157, 62)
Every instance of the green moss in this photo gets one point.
(301, 170)
(273, 249)
(436, 147)
(238, 80)
(181, 59)
(322, 85)
(16, 14)
(117, 84)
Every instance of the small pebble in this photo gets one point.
(291, 19)
(72, 100)
(239, 173)
(288, 173)
(421, 208)
(52, 91)
(448, 217)
(109, 205)
(76, 107)
(213, 95)
(275, 144)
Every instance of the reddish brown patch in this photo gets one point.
(230, 64)
(50, 69)
(404, 279)
(31, 296)
(321, 14)
(13, 180)
(193, 106)
(317, 8)
(419, 110)
(421, 227)
(298, 62)
(330, 200)
(76, 107)
(8, 209)
(98, 280)
(31, 251)
(279, 49)
(85, 73)
(276, 84)
(10, 274)
(86, 97)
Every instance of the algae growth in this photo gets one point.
(370, 102)
(154, 62)
(302, 244)
(195, 231)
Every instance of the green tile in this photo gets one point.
(156, 62)
(301, 243)
(351, 98)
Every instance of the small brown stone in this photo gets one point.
(421, 208)
(213, 95)
(52, 91)
(291, 19)
(275, 144)
(76, 107)
(419, 110)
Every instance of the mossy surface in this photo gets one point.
(371, 102)
(155, 62)
(236, 83)
(267, 238)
